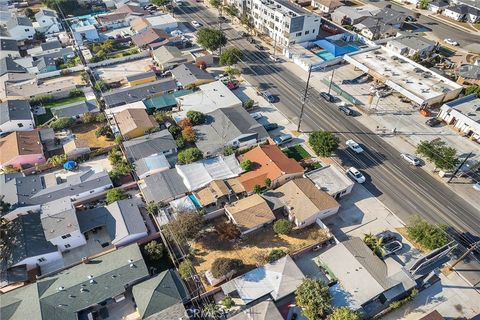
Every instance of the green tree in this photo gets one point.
(231, 10)
(229, 150)
(246, 165)
(437, 151)
(211, 311)
(4, 206)
(100, 117)
(61, 123)
(223, 266)
(232, 72)
(472, 89)
(175, 130)
(85, 77)
(257, 189)
(162, 116)
(87, 117)
(215, 3)
(344, 313)
(375, 244)
(186, 226)
(180, 142)
(185, 268)
(230, 56)
(29, 13)
(211, 39)
(105, 131)
(427, 235)
(196, 117)
(152, 207)
(101, 86)
(423, 4)
(154, 250)
(115, 194)
(314, 299)
(249, 104)
(160, 3)
(189, 155)
(57, 160)
(118, 139)
(115, 156)
(268, 182)
(275, 254)
(282, 226)
(324, 143)
(228, 302)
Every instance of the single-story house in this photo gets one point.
(456, 12)
(160, 142)
(438, 6)
(264, 310)
(75, 110)
(9, 65)
(160, 21)
(141, 78)
(464, 114)
(332, 180)
(347, 15)
(163, 187)
(216, 194)
(326, 6)
(16, 115)
(168, 57)
(57, 87)
(468, 74)
(189, 75)
(121, 17)
(152, 164)
(410, 44)
(76, 148)
(9, 48)
(149, 36)
(133, 123)
(21, 149)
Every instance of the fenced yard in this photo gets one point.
(86, 131)
(43, 118)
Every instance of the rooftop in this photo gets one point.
(75, 109)
(58, 218)
(265, 310)
(131, 119)
(469, 71)
(413, 41)
(127, 95)
(20, 143)
(163, 186)
(250, 212)
(188, 73)
(153, 162)
(8, 65)
(15, 110)
(468, 106)
(147, 145)
(141, 75)
(330, 179)
(148, 36)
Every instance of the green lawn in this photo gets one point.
(297, 152)
(39, 120)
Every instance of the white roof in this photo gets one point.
(198, 174)
(161, 19)
(133, 105)
(330, 179)
(184, 204)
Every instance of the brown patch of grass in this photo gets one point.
(86, 131)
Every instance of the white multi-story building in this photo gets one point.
(286, 23)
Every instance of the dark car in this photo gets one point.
(346, 110)
(270, 126)
(251, 40)
(260, 47)
(432, 122)
(389, 236)
(327, 96)
(244, 34)
(268, 96)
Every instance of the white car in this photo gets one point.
(274, 58)
(355, 147)
(176, 33)
(356, 175)
(410, 158)
(451, 42)
(196, 24)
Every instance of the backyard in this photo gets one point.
(86, 131)
(43, 118)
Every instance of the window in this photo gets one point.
(307, 32)
(42, 259)
(68, 235)
(27, 30)
(67, 245)
(298, 34)
(20, 125)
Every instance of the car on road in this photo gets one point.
(476, 186)
(260, 47)
(432, 122)
(355, 147)
(356, 175)
(196, 24)
(391, 248)
(256, 115)
(282, 139)
(451, 42)
(268, 96)
(327, 96)
(270, 126)
(346, 110)
(274, 58)
(410, 158)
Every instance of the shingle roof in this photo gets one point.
(188, 73)
(15, 110)
(250, 212)
(8, 45)
(20, 143)
(131, 119)
(144, 146)
(75, 109)
(265, 310)
(137, 93)
(8, 65)
(17, 189)
(148, 36)
(17, 20)
(163, 186)
(138, 76)
(414, 42)
(469, 71)
(59, 218)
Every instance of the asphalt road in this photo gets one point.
(404, 189)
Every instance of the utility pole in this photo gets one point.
(304, 98)
(473, 247)
(459, 167)
(274, 44)
(331, 80)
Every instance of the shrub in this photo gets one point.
(257, 189)
(185, 268)
(175, 130)
(189, 135)
(75, 93)
(196, 117)
(223, 266)
(314, 299)
(323, 143)
(185, 123)
(227, 231)
(228, 302)
(275, 254)
(229, 150)
(87, 117)
(249, 104)
(246, 165)
(61, 123)
(161, 116)
(268, 182)
(105, 131)
(115, 194)
(427, 235)
(100, 117)
(282, 226)
(180, 142)
(154, 250)
(189, 155)
(185, 226)
(344, 313)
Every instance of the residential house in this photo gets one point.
(149, 36)
(383, 24)
(410, 45)
(52, 49)
(347, 15)
(20, 28)
(9, 65)
(141, 78)
(473, 14)
(75, 110)
(437, 6)
(80, 291)
(189, 75)
(161, 297)
(464, 115)
(268, 161)
(456, 12)
(168, 57)
(305, 203)
(160, 142)
(276, 280)
(224, 127)
(56, 87)
(469, 74)
(133, 123)
(9, 48)
(121, 17)
(16, 115)
(159, 21)
(21, 149)
(85, 32)
(250, 213)
(215, 195)
(76, 148)
(45, 64)
(163, 187)
(151, 164)
(264, 310)
(47, 21)
(326, 6)
(332, 180)
(118, 97)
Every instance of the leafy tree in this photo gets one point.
(423, 4)
(189, 155)
(323, 143)
(122, 168)
(185, 123)
(57, 160)
(4, 206)
(189, 135)
(152, 130)
(246, 165)
(61, 123)
(227, 231)
(231, 10)
(180, 142)
(118, 139)
(375, 244)
(282, 226)
(314, 299)
(29, 13)
(427, 235)
(232, 72)
(211, 39)
(87, 117)
(161, 116)
(100, 117)
(444, 158)
(257, 189)
(41, 100)
(160, 3)
(154, 250)
(105, 131)
(249, 104)
(185, 226)
(344, 313)
(223, 266)
(185, 268)
(115, 194)
(230, 56)
(85, 77)
(229, 150)
(152, 207)
(115, 156)
(268, 182)
(472, 89)
(211, 311)
(196, 117)
(175, 130)
(228, 302)
(100, 85)
(75, 93)
(247, 21)
(275, 254)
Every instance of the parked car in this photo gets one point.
(346, 110)
(167, 73)
(270, 126)
(256, 115)
(274, 58)
(432, 122)
(388, 236)
(282, 139)
(196, 24)
(410, 158)
(356, 175)
(260, 47)
(232, 85)
(355, 147)
(327, 96)
(391, 248)
(451, 42)
(410, 19)
(268, 96)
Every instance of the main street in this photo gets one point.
(405, 190)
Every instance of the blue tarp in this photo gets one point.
(69, 165)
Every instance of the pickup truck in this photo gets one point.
(355, 147)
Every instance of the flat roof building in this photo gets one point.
(331, 180)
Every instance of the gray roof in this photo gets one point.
(18, 189)
(17, 20)
(144, 146)
(186, 74)
(469, 71)
(46, 12)
(51, 45)
(224, 125)
(142, 75)
(264, 310)
(414, 42)
(163, 186)
(62, 295)
(123, 96)
(8, 65)
(439, 3)
(161, 296)
(15, 110)
(294, 7)
(8, 45)
(464, 9)
(43, 62)
(75, 109)
(59, 218)
(153, 162)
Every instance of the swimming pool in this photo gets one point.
(339, 51)
(325, 55)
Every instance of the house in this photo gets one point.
(47, 21)
(85, 32)
(75, 110)
(118, 97)
(437, 6)
(464, 115)
(326, 6)
(160, 142)
(305, 203)
(159, 21)
(264, 310)
(149, 36)
(161, 297)
(133, 123)
(121, 17)
(20, 149)
(168, 57)
(56, 87)
(9, 48)
(410, 45)
(363, 278)
(52, 49)
(162, 187)
(151, 164)
(20, 28)
(216, 194)
(268, 162)
(79, 291)
(76, 148)
(250, 213)
(189, 75)
(332, 180)
(8, 65)
(456, 12)
(384, 24)
(15, 115)
(121, 219)
(347, 15)
(473, 14)
(468, 74)
(141, 78)
(45, 64)
(224, 127)
(276, 280)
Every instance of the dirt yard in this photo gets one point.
(87, 132)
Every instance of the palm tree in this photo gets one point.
(374, 243)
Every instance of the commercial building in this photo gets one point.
(464, 115)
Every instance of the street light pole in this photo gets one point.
(331, 80)
(304, 98)
(473, 247)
